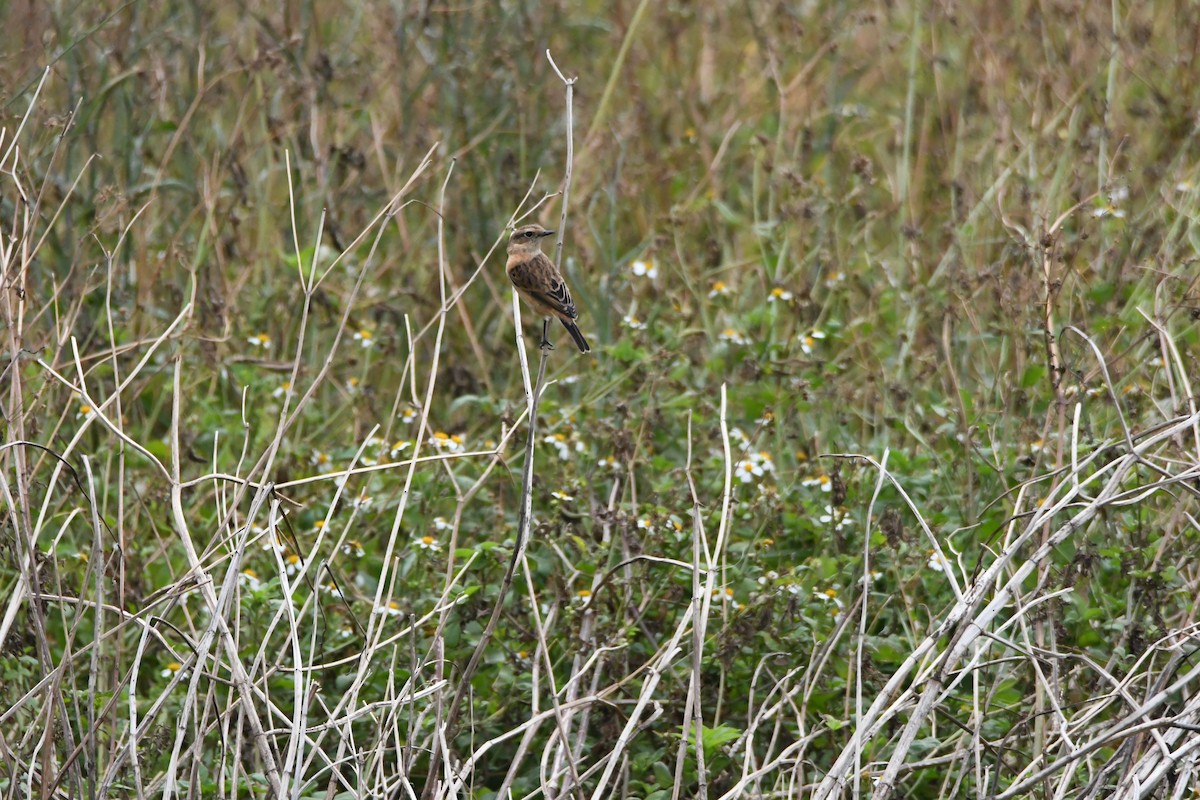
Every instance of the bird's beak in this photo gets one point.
(547, 233)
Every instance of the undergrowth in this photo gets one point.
(882, 474)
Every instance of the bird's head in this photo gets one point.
(527, 239)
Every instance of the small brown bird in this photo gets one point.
(539, 282)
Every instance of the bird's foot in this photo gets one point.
(544, 344)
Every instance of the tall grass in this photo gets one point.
(881, 479)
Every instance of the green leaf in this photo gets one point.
(1033, 375)
(833, 723)
(646, 759)
(160, 449)
(625, 350)
(289, 257)
(712, 738)
(1101, 292)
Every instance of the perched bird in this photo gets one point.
(539, 282)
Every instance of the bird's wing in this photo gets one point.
(540, 280)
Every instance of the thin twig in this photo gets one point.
(523, 525)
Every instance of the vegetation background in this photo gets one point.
(252, 268)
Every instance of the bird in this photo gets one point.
(541, 284)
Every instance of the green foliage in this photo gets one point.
(769, 201)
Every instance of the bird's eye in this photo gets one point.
(528, 234)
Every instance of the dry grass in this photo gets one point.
(882, 477)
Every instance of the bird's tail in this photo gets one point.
(580, 342)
